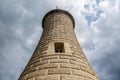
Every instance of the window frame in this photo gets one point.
(59, 47)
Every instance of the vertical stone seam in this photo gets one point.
(69, 68)
(47, 71)
(58, 65)
(48, 61)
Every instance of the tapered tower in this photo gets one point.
(58, 55)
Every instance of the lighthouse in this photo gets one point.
(58, 55)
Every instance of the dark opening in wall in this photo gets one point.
(59, 47)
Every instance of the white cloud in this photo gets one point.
(104, 5)
(106, 38)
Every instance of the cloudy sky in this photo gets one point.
(97, 29)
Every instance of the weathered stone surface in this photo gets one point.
(49, 57)
(39, 78)
(70, 77)
(53, 77)
(31, 75)
(29, 70)
(79, 73)
(41, 72)
(39, 63)
(72, 66)
(67, 57)
(47, 66)
(77, 62)
(83, 68)
(30, 79)
(83, 74)
(59, 61)
(59, 71)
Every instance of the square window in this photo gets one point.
(59, 47)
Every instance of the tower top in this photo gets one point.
(58, 11)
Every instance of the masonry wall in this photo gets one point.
(46, 64)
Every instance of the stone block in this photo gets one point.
(79, 73)
(31, 75)
(69, 77)
(58, 71)
(83, 68)
(67, 57)
(82, 74)
(47, 66)
(42, 72)
(37, 73)
(30, 79)
(53, 77)
(40, 78)
(40, 63)
(72, 66)
(50, 57)
(77, 62)
(59, 61)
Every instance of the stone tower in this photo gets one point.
(58, 55)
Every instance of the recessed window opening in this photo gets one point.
(59, 47)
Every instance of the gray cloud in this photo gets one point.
(106, 39)
(16, 27)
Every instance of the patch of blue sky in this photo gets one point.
(98, 1)
(99, 12)
(90, 18)
(86, 7)
(88, 15)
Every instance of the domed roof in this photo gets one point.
(58, 11)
